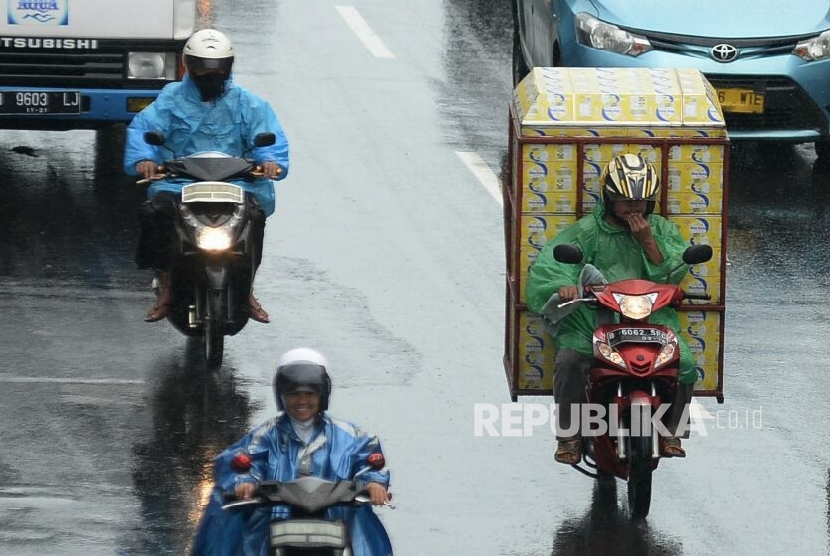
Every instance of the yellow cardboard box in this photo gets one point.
(589, 97)
(536, 354)
(705, 278)
(703, 229)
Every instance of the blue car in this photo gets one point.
(769, 61)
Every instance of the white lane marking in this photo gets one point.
(485, 175)
(360, 28)
(56, 380)
(701, 411)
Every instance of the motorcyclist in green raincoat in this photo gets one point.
(623, 239)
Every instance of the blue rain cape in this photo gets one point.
(336, 451)
(190, 126)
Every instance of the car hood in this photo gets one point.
(714, 18)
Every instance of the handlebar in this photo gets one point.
(256, 173)
(577, 300)
(686, 295)
(231, 501)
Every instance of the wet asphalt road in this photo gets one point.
(387, 254)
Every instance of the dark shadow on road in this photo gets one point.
(607, 530)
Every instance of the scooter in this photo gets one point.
(215, 247)
(307, 532)
(634, 371)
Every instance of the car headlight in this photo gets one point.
(817, 48)
(213, 239)
(151, 65)
(635, 306)
(592, 32)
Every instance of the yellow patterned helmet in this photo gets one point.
(629, 177)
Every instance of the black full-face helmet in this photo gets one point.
(302, 369)
(629, 177)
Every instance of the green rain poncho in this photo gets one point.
(619, 256)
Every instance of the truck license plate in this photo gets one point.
(40, 102)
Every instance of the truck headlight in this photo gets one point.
(151, 65)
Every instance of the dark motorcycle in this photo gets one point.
(308, 532)
(634, 371)
(215, 247)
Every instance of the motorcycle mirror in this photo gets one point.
(694, 254)
(241, 462)
(697, 254)
(155, 138)
(376, 461)
(567, 253)
(265, 139)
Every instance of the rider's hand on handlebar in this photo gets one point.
(377, 492)
(147, 169)
(244, 491)
(271, 169)
(568, 293)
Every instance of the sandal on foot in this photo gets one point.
(569, 452)
(670, 448)
(157, 312)
(256, 312)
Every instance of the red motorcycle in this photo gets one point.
(634, 372)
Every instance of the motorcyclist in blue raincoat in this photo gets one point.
(303, 439)
(206, 111)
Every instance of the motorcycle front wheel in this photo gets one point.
(213, 327)
(640, 464)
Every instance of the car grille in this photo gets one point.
(48, 68)
(786, 105)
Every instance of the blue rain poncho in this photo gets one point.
(336, 451)
(190, 126)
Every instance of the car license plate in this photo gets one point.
(743, 101)
(40, 102)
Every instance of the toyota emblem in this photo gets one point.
(724, 52)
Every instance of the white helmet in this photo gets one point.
(208, 49)
(302, 368)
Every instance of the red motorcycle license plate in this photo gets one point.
(645, 335)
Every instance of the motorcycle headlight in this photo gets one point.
(592, 32)
(816, 48)
(635, 306)
(608, 353)
(666, 354)
(213, 239)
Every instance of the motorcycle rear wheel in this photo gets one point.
(640, 466)
(213, 327)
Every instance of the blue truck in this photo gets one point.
(88, 64)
